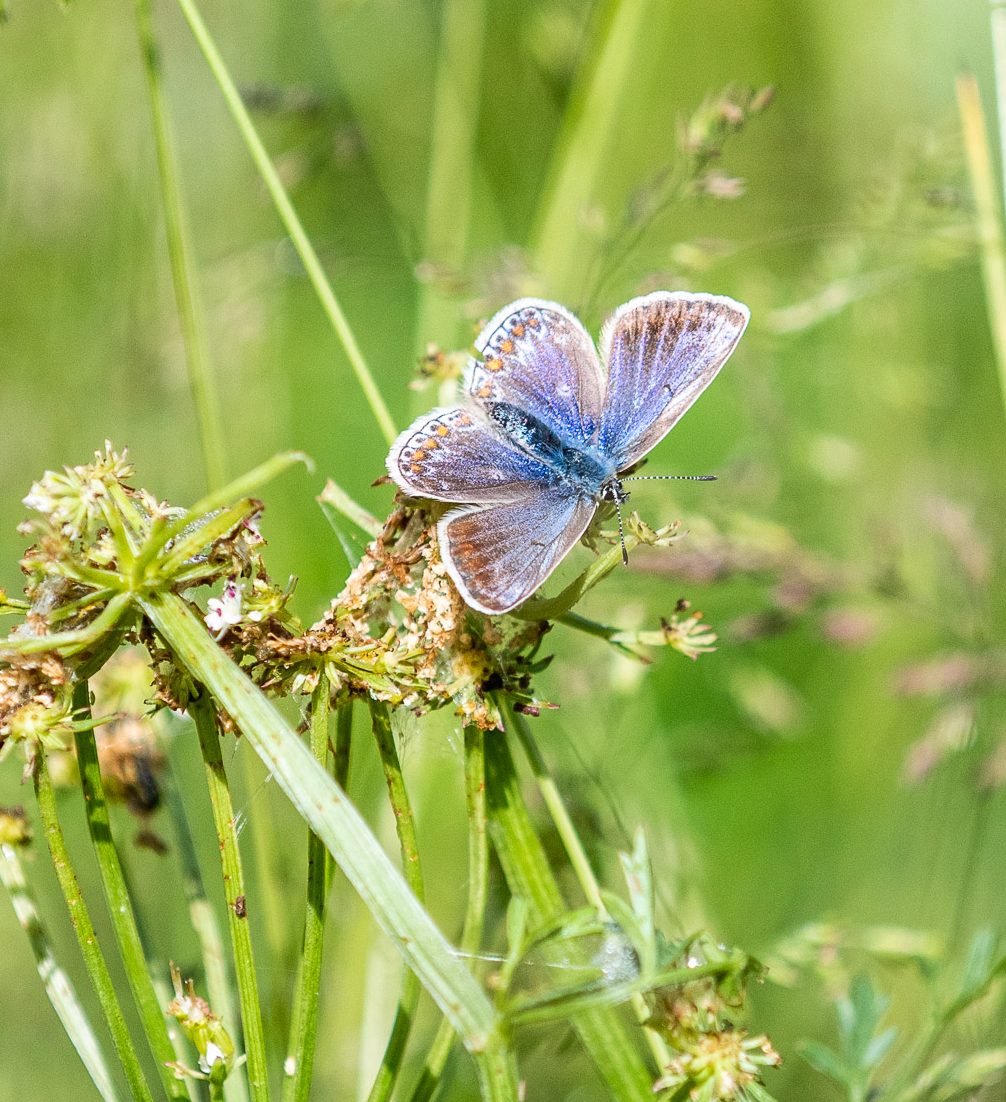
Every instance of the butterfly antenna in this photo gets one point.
(669, 477)
(621, 531)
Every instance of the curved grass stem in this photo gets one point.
(405, 825)
(80, 919)
(55, 980)
(180, 255)
(289, 218)
(204, 715)
(119, 900)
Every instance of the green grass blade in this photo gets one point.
(478, 895)
(180, 255)
(119, 901)
(56, 982)
(205, 924)
(405, 825)
(80, 919)
(285, 209)
(204, 715)
(304, 1020)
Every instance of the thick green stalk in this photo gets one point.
(530, 878)
(987, 213)
(207, 930)
(180, 254)
(452, 161)
(56, 982)
(324, 805)
(287, 214)
(478, 894)
(405, 826)
(577, 855)
(304, 1020)
(204, 716)
(80, 919)
(119, 901)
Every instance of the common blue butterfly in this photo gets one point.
(547, 425)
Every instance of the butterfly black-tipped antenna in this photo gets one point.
(668, 477)
(621, 530)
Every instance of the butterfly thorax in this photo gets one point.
(582, 466)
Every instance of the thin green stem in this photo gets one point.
(530, 878)
(452, 160)
(80, 919)
(55, 980)
(204, 716)
(478, 894)
(180, 254)
(304, 1022)
(405, 825)
(119, 900)
(207, 929)
(987, 211)
(292, 223)
(577, 855)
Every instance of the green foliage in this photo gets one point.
(835, 767)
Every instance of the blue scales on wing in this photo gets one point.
(661, 352)
(454, 454)
(535, 355)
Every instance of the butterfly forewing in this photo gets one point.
(454, 455)
(661, 352)
(537, 356)
(499, 555)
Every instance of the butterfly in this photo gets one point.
(548, 424)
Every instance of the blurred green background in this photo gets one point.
(858, 432)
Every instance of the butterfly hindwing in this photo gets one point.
(661, 352)
(453, 454)
(499, 555)
(537, 356)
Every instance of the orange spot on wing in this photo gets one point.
(484, 391)
(517, 329)
(493, 364)
(506, 347)
(442, 430)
